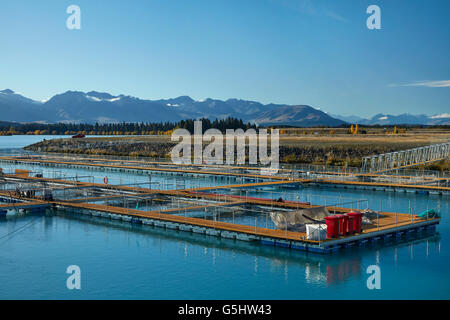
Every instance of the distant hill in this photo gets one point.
(102, 107)
(303, 116)
(7, 123)
(15, 107)
(405, 119)
(91, 107)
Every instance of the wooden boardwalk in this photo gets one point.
(280, 178)
(24, 205)
(149, 168)
(386, 222)
(218, 166)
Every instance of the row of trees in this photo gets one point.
(123, 128)
(222, 125)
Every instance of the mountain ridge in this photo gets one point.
(94, 106)
(102, 107)
(401, 119)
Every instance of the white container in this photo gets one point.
(316, 232)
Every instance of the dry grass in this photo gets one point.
(317, 146)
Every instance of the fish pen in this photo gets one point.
(272, 212)
(208, 175)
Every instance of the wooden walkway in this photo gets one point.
(24, 205)
(145, 164)
(383, 184)
(235, 174)
(248, 185)
(149, 168)
(387, 221)
(163, 215)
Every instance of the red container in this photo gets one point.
(340, 217)
(357, 220)
(351, 225)
(344, 225)
(332, 226)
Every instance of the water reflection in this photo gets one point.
(343, 270)
(318, 269)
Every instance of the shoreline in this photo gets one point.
(338, 150)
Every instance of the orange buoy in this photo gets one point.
(105, 180)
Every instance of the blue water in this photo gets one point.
(14, 143)
(123, 261)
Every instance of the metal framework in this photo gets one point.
(406, 158)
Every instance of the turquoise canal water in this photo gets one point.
(119, 260)
(15, 143)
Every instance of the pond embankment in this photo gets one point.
(316, 150)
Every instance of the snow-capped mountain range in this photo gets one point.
(93, 106)
(410, 119)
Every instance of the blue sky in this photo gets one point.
(311, 52)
